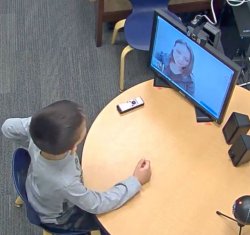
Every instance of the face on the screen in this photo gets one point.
(181, 55)
(179, 61)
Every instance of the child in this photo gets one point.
(54, 182)
(178, 65)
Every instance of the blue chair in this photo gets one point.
(20, 165)
(138, 28)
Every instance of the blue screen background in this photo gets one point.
(211, 77)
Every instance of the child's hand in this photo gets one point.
(143, 171)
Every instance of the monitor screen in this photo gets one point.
(198, 71)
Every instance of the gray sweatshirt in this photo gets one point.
(55, 186)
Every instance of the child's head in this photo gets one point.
(59, 127)
(182, 55)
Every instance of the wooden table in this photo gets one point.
(192, 175)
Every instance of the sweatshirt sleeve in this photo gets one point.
(102, 202)
(17, 129)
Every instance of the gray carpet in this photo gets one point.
(47, 53)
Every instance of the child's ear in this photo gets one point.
(73, 149)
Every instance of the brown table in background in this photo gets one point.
(192, 175)
(115, 10)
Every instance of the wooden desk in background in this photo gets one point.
(192, 175)
(115, 10)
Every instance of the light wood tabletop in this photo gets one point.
(192, 174)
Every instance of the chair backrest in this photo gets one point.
(20, 165)
(138, 25)
(141, 5)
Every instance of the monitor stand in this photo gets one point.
(158, 82)
(200, 115)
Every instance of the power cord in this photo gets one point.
(236, 3)
(214, 22)
(233, 3)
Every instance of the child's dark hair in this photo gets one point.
(55, 128)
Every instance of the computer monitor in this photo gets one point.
(198, 71)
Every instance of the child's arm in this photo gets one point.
(17, 129)
(115, 197)
(102, 202)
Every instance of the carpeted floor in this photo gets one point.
(47, 53)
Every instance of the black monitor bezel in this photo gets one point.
(210, 49)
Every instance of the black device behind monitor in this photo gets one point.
(242, 18)
(201, 74)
